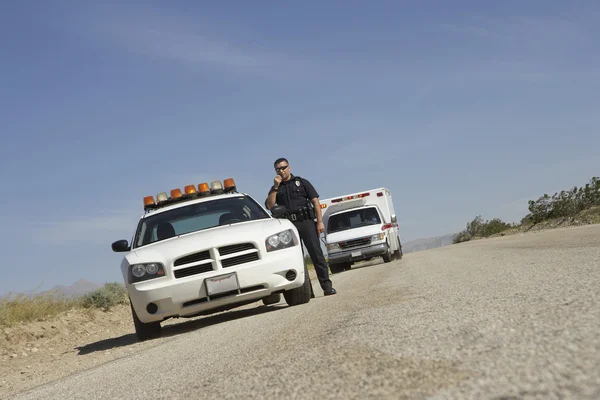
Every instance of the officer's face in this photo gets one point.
(283, 170)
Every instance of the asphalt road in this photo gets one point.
(509, 318)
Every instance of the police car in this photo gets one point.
(208, 249)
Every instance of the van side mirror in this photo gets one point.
(120, 246)
(278, 211)
(394, 219)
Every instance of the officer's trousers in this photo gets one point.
(308, 233)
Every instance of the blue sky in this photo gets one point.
(459, 108)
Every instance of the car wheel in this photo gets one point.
(272, 299)
(299, 295)
(144, 331)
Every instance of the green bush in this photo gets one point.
(564, 204)
(480, 228)
(110, 295)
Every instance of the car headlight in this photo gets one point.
(281, 240)
(333, 246)
(379, 236)
(143, 272)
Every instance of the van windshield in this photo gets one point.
(197, 217)
(353, 219)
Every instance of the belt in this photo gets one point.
(296, 217)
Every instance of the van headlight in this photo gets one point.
(333, 246)
(378, 237)
(143, 272)
(281, 240)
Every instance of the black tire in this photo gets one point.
(347, 266)
(399, 253)
(272, 299)
(299, 295)
(336, 268)
(144, 331)
(387, 257)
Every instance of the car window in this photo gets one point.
(196, 217)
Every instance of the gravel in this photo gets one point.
(516, 317)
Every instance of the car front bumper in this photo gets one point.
(359, 254)
(188, 296)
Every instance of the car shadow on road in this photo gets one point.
(179, 328)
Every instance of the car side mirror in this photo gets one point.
(393, 219)
(120, 246)
(278, 211)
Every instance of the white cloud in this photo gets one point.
(91, 229)
(195, 44)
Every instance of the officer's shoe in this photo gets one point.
(329, 292)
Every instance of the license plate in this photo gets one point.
(221, 283)
(356, 254)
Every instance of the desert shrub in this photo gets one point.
(480, 228)
(567, 203)
(110, 295)
(25, 308)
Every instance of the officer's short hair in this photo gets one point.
(280, 160)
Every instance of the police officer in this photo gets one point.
(298, 195)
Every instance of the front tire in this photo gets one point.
(299, 295)
(272, 299)
(144, 331)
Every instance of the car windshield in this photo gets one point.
(197, 217)
(353, 219)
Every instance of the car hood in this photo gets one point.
(166, 250)
(354, 233)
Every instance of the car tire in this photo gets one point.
(300, 295)
(272, 299)
(144, 331)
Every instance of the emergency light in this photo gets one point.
(190, 193)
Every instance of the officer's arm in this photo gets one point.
(317, 205)
(271, 199)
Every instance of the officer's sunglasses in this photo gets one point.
(281, 168)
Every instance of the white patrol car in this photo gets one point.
(205, 251)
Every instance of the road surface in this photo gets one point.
(516, 317)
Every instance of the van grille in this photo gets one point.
(365, 241)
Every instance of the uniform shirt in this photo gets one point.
(294, 193)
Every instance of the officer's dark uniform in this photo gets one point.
(296, 195)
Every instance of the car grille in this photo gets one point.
(365, 241)
(251, 254)
(191, 258)
(235, 248)
(245, 258)
(195, 270)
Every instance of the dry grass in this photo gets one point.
(27, 309)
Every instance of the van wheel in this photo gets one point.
(399, 253)
(144, 331)
(299, 295)
(336, 268)
(387, 257)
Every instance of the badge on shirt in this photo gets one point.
(297, 183)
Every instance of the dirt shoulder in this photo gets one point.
(46, 350)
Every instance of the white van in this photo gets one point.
(360, 226)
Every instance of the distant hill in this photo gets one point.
(76, 289)
(427, 243)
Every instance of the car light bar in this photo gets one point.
(190, 192)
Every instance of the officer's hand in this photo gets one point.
(277, 181)
(320, 227)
